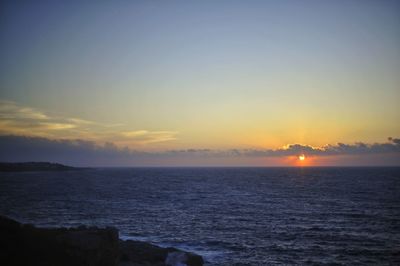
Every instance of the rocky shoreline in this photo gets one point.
(24, 244)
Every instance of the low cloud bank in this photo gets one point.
(83, 152)
(392, 146)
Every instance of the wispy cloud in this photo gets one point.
(150, 136)
(11, 111)
(20, 120)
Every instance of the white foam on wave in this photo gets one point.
(207, 254)
(135, 238)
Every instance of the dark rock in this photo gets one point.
(83, 246)
(27, 245)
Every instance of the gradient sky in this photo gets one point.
(156, 76)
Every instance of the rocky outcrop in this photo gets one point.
(22, 244)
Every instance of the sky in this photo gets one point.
(182, 83)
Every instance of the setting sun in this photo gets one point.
(302, 157)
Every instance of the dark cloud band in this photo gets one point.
(21, 148)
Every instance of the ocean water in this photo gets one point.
(231, 216)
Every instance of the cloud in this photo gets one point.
(150, 136)
(25, 121)
(86, 152)
(27, 134)
(11, 111)
(392, 146)
(359, 148)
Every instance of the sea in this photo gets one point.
(230, 216)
